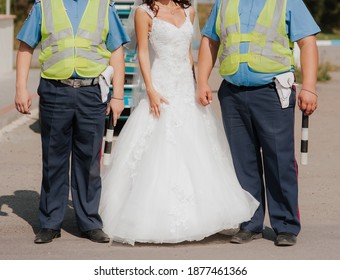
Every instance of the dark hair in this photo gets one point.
(152, 5)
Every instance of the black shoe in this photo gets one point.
(285, 239)
(46, 235)
(96, 235)
(245, 236)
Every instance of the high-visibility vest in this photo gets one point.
(62, 51)
(270, 50)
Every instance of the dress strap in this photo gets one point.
(187, 11)
(146, 8)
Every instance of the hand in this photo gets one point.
(23, 101)
(307, 101)
(204, 94)
(117, 107)
(155, 102)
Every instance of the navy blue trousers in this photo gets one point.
(72, 127)
(261, 139)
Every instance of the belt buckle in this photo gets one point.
(76, 83)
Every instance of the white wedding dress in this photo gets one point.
(172, 179)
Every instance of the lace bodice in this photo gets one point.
(171, 70)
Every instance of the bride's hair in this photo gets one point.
(153, 6)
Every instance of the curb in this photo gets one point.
(9, 114)
(328, 42)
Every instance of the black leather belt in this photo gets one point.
(77, 83)
(270, 85)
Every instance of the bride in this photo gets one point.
(171, 177)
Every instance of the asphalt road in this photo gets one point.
(319, 198)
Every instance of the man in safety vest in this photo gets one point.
(79, 40)
(253, 40)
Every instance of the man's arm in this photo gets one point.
(23, 100)
(206, 60)
(117, 99)
(308, 99)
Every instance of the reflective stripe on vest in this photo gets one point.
(270, 50)
(62, 51)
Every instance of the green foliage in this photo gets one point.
(322, 75)
(203, 11)
(326, 13)
(323, 72)
(316, 9)
(328, 36)
(2, 6)
(21, 9)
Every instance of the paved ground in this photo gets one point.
(20, 175)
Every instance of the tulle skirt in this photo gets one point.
(172, 179)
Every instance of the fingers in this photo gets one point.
(108, 109)
(206, 100)
(29, 103)
(308, 107)
(117, 107)
(209, 96)
(23, 108)
(155, 110)
(23, 103)
(307, 101)
(205, 96)
(164, 100)
(115, 118)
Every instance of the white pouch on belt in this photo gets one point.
(105, 79)
(284, 83)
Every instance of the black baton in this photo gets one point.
(108, 139)
(304, 139)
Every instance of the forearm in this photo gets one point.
(206, 58)
(192, 64)
(117, 62)
(23, 63)
(307, 98)
(22, 99)
(309, 62)
(144, 63)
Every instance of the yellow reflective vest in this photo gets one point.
(63, 52)
(270, 50)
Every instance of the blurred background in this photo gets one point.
(13, 14)
(325, 12)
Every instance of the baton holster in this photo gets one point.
(284, 84)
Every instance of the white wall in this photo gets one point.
(6, 43)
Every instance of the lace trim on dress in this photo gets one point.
(139, 149)
(146, 8)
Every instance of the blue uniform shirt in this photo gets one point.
(30, 32)
(299, 24)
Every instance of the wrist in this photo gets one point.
(20, 86)
(150, 90)
(149, 87)
(117, 98)
(201, 82)
(309, 90)
(201, 78)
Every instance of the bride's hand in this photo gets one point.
(204, 94)
(155, 102)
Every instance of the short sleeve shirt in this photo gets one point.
(299, 24)
(30, 32)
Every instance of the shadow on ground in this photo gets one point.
(25, 204)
